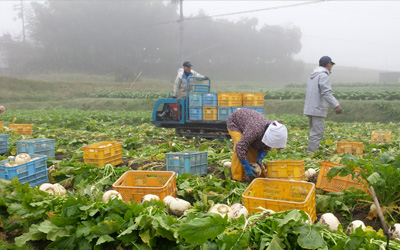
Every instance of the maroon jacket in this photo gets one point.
(251, 124)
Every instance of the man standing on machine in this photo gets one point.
(180, 86)
(173, 111)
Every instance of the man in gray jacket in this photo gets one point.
(181, 79)
(318, 98)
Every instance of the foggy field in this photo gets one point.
(126, 124)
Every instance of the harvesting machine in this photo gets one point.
(174, 113)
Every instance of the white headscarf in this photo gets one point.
(275, 136)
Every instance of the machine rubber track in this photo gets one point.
(208, 132)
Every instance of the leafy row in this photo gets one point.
(389, 109)
(130, 95)
(341, 95)
(269, 95)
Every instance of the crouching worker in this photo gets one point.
(2, 109)
(253, 137)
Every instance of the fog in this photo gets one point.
(272, 41)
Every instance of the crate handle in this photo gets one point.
(119, 182)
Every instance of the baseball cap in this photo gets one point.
(187, 64)
(325, 60)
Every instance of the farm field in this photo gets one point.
(33, 219)
(114, 124)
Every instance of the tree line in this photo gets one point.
(122, 38)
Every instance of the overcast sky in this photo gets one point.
(363, 34)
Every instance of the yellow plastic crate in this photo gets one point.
(230, 99)
(381, 136)
(210, 113)
(133, 185)
(280, 195)
(338, 183)
(21, 129)
(1, 125)
(253, 99)
(286, 170)
(103, 153)
(355, 148)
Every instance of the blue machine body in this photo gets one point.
(174, 113)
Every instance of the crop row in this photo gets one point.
(269, 95)
(130, 95)
(341, 95)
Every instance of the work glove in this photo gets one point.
(173, 96)
(206, 78)
(251, 172)
(260, 157)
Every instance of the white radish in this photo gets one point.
(223, 210)
(149, 197)
(354, 225)
(394, 231)
(59, 189)
(93, 190)
(330, 220)
(111, 194)
(8, 165)
(238, 209)
(47, 187)
(310, 173)
(168, 199)
(227, 164)
(22, 158)
(178, 206)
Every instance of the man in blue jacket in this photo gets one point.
(318, 99)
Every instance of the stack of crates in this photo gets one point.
(226, 104)
(195, 106)
(210, 103)
(254, 101)
(3, 143)
(213, 106)
(40, 146)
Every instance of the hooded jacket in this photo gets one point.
(319, 93)
(180, 85)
